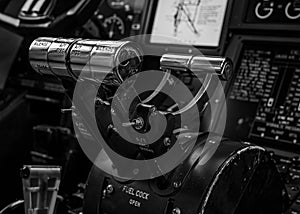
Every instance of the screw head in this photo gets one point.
(139, 123)
(176, 210)
(177, 184)
(167, 141)
(109, 189)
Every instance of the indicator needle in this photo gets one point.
(111, 31)
(110, 34)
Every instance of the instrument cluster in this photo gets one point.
(273, 11)
(116, 19)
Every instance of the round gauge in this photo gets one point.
(129, 60)
(115, 26)
(116, 4)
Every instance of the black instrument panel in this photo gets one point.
(264, 98)
(191, 21)
(263, 102)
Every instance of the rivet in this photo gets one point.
(177, 184)
(109, 189)
(167, 141)
(176, 210)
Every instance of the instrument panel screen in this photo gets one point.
(264, 100)
(189, 22)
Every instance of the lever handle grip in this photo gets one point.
(220, 66)
(78, 58)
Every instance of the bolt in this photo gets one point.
(177, 184)
(167, 141)
(109, 189)
(139, 123)
(176, 210)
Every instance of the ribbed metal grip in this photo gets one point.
(219, 66)
(84, 58)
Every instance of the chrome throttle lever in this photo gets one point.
(199, 65)
(85, 58)
(214, 65)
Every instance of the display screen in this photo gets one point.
(189, 22)
(264, 100)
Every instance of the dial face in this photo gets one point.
(114, 26)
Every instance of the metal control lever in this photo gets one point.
(110, 63)
(199, 65)
(85, 58)
(220, 66)
(78, 59)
